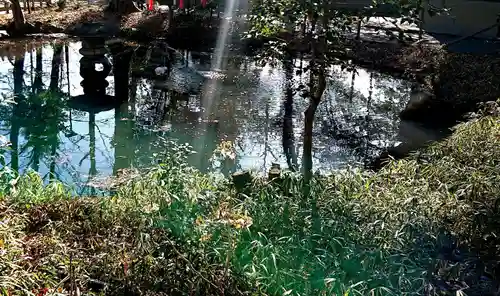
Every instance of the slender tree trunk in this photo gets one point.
(307, 162)
(36, 157)
(92, 140)
(37, 83)
(288, 134)
(317, 86)
(353, 78)
(56, 64)
(93, 166)
(52, 170)
(19, 22)
(66, 59)
(18, 74)
(309, 122)
(14, 140)
(122, 56)
(17, 12)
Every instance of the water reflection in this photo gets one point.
(88, 109)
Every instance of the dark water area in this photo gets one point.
(124, 115)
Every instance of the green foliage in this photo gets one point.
(43, 116)
(284, 24)
(380, 234)
(8, 177)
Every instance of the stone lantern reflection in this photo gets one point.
(94, 69)
(94, 66)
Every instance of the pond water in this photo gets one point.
(75, 131)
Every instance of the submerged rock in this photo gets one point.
(184, 80)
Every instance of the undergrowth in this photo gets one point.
(426, 225)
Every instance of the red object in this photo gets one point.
(150, 5)
(203, 3)
(125, 267)
(181, 4)
(43, 292)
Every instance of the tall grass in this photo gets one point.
(426, 225)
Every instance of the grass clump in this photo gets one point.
(425, 225)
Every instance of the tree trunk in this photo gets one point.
(19, 22)
(56, 65)
(317, 86)
(122, 56)
(18, 74)
(92, 140)
(53, 158)
(38, 83)
(307, 164)
(288, 134)
(36, 157)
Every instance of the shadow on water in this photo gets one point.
(86, 110)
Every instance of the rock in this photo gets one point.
(274, 171)
(395, 152)
(184, 80)
(241, 179)
(490, 108)
(160, 71)
(96, 285)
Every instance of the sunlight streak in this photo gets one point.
(211, 89)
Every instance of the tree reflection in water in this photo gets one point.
(77, 132)
(39, 113)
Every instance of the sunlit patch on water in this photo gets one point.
(213, 74)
